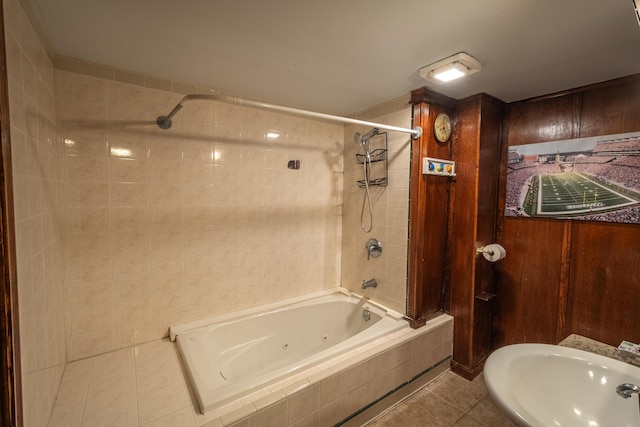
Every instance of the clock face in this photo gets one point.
(442, 127)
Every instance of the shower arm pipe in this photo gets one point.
(164, 122)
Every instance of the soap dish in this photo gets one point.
(629, 352)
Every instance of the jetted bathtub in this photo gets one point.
(228, 358)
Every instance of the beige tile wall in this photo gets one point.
(164, 227)
(36, 170)
(390, 210)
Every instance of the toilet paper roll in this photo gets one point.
(494, 252)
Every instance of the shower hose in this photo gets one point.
(367, 197)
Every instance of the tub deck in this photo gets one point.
(230, 358)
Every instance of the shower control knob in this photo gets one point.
(374, 248)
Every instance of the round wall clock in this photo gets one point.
(442, 127)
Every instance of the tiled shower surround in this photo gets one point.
(37, 209)
(168, 226)
(123, 229)
(390, 207)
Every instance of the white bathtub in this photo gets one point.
(228, 358)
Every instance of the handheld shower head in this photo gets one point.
(363, 139)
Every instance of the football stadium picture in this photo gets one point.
(595, 178)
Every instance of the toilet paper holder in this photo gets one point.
(493, 252)
(484, 250)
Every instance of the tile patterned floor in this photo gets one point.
(448, 401)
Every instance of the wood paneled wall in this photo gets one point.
(563, 277)
(450, 218)
(475, 194)
(428, 213)
(560, 276)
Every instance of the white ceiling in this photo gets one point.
(342, 56)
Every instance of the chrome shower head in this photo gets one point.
(363, 139)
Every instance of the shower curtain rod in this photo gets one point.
(164, 122)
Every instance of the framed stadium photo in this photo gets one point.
(593, 178)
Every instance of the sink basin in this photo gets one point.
(549, 385)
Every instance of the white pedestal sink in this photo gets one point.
(548, 385)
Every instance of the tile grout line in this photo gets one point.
(135, 370)
(153, 420)
(183, 384)
(466, 415)
(86, 395)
